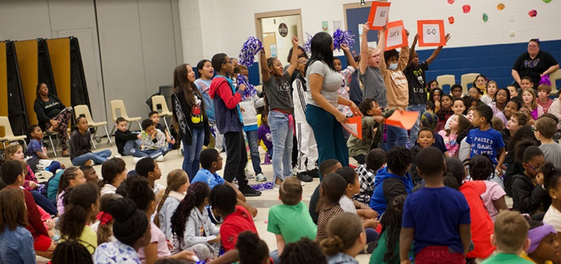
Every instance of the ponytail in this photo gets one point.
(176, 179)
(78, 202)
(551, 175)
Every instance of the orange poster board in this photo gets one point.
(431, 33)
(395, 35)
(402, 119)
(378, 16)
(354, 126)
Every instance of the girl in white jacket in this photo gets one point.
(177, 183)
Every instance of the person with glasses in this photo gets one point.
(533, 63)
(528, 193)
(369, 68)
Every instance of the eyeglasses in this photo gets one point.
(533, 168)
(303, 62)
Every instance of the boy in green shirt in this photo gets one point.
(290, 221)
(511, 238)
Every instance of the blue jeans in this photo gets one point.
(396, 137)
(192, 152)
(254, 150)
(282, 145)
(98, 157)
(44, 203)
(132, 148)
(414, 132)
(329, 135)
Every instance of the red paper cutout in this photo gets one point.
(451, 20)
(466, 8)
(354, 126)
(402, 119)
(451, 1)
(533, 13)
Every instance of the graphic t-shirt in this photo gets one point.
(264, 134)
(485, 142)
(278, 92)
(204, 87)
(417, 85)
(526, 66)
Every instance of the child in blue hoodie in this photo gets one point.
(393, 180)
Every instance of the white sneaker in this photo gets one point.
(248, 174)
(135, 160)
(160, 158)
(117, 156)
(260, 178)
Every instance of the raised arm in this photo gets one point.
(264, 67)
(436, 51)
(412, 49)
(403, 56)
(349, 56)
(294, 58)
(381, 48)
(364, 54)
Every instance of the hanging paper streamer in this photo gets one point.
(342, 37)
(501, 6)
(249, 49)
(249, 90)
(545, 80)
(533, 13)
(485, 17)
(308, 43)
(451, 20)
(466, 8)
(451, 1)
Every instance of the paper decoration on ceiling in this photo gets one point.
(546, 1)
(466, 8)
(342, 37)
(451, 1)
(249, 49)
(501, 6)
(533, 13)
(485, 17)
(451, 20)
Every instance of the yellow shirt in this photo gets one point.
(88, 239)
(525, 256)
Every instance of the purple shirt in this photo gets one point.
(264, 133)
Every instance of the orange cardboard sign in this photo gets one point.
(431, 33)
(354, 126)
(378, 16)
(395, 35)
(405, 119)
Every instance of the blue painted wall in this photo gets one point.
(493, 61)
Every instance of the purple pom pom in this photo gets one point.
(342, 37)
(249, 90)
(545, 80)
(308, 43)
(250, 48)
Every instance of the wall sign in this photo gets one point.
(283, 29)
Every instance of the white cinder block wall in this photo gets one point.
(225, 24)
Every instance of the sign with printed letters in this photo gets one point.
(378, 16)
(431, 33)
(395, 35)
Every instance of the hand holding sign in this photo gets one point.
(378, 16)
(396, 35)
(431, 33)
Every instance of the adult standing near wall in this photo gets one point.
(188, 108)
(52, 115)
(533, 63)
(321, 111)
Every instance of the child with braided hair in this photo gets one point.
(177, 183)
(190, 223)
(387, 250)
(346, 238)
(304, 251)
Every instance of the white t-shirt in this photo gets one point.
(553, 218)
(347, 204)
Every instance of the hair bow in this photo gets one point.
(104, 217)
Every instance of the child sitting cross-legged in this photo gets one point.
(327, 166)
(190, 224)
(510, 238)
(80, 146)
(128, 143)
(282, 217)
(435, 209)
(177, 184)
(528, 193)
(149, 169)
(375, 160)
(36, 157)
(236, 220)
(211, 162)
(392, 180)
(153, 140)
(331, 189)
(425, 138)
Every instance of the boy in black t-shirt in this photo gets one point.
(415, 74)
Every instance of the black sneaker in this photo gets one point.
(248, 191)
(314, 173)
(304, 177)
